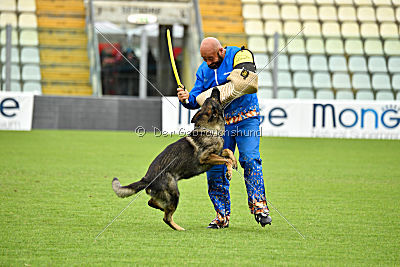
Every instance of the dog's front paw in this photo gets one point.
(229, 163)
(234, 163)
(228, 174)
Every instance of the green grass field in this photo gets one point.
(56, 196)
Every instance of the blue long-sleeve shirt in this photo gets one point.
(239, 109)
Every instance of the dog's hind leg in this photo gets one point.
(171, 203)
(170, 221)
(154, 204)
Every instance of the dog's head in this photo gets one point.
(211, 113)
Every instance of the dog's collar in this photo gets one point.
(205, 131)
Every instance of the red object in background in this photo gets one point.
(177, 51)
(102, 46)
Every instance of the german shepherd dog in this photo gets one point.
(187, 157)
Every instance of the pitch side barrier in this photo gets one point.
(308, 118)
(24, 111)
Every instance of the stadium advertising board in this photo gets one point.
(16, 110)
(308, 118)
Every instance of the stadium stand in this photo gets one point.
(224, 19)
(63, 47)
(49, 46)
(347, 49)
(20, 15)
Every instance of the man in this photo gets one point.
(241, 128)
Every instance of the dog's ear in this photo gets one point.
(196, 117)
(216, 94)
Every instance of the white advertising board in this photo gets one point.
(308, 118)
(16, 110)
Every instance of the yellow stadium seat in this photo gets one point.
(14, 37)
(8, 5)
(327, 13)
(271, 12)
(389, 30)
(382, 2)
(273, 26)
(291, 28)
(27, 20)
(281, 44)
(324, 2)
(330, 29)
(8, 18)
(289, 12)
(253, 27)
(29, 38)
(315, 46)
(362, 2)
(385, 14)
(354, 47)
(350, 29)
(369, 30)
(308, 12)
(373, 47)
(257, 44)
(311, 28)
(366, 13)
(61, 22)
(251, 11)
(26, 6)
(392, 47)
(296, 46)
(334, 47)
(347, 13)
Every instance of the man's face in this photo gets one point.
(213, 59)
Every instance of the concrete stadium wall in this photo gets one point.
(94, 113)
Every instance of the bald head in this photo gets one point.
(212, 52)
(210, 44)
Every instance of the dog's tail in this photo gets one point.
(129, 190)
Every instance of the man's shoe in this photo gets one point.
(214, 225)
(263, 218)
